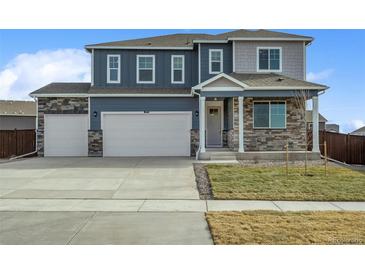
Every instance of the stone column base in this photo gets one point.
(194, 141)
(95, 143)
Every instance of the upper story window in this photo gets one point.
(113, 71)
(269, 59)
(177, 69)
(145, 69)
(269, 114)
(215, 61)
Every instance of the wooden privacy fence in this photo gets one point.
(345, 148)
(17, 142)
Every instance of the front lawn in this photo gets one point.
(271, 183)
(269, 227)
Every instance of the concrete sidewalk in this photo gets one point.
(85, 205)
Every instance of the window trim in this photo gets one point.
(183, 70)
(268, 101)
(269, 70)
(210, 61)
(153, 68)
(108, 69)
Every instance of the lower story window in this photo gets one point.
(269, 114)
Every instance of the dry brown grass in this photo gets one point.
(281, 228)
(271, 183)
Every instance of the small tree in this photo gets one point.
(301, 98)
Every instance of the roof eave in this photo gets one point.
(91, 47)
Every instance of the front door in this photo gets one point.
(214, 126)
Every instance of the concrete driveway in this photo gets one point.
(99, 178)
(103, 228)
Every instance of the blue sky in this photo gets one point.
(30, 58)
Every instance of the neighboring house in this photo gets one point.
(181, 94)
(333, 128)
(322, 121)
(359, 131)
(17, 115)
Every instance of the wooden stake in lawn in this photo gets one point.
(325, 158)
(287, 158)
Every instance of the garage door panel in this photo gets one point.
(152, 134)
(66, 135)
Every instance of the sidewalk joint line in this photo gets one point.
(82, 227)
(277, 206)
(340, 208)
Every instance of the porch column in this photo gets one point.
(240, 124)
(315, 127)
(202, 123)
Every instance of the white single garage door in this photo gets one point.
(146, 134)
(65, 135)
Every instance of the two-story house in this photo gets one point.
(183, 95)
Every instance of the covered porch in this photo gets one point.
(232, 117)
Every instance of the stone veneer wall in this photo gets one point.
(271, 139)
(194, 141)
(57, 105)
(95, 143)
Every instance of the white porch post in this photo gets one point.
(315, 121)
(240, 124)
(202, 123)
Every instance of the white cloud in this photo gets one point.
(318, 76)
(352, 125)
(30, 71)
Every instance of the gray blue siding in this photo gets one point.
(204, 56)
(162, 66)
(142, 104)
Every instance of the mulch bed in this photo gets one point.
(202, 182)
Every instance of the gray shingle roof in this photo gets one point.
(84, 88)
(273, 80)
(63, 88)
(261, 33)
(171, 40)
(186, 40)
(359, 131)
(308, 117)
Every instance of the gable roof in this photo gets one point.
(274, 81)
(186, 41)
(17, 108)
(308, 117)
(263, 81)
(359, 130)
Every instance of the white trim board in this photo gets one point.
(112, 95)
(137, 47)
(218, 76)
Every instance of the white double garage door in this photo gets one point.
(124, 134)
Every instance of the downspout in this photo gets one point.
(197, 153)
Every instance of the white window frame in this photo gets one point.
(153, 68)
(269, 70)
(210, 61)
(269, 101)
(183, 69)
(108, 69)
